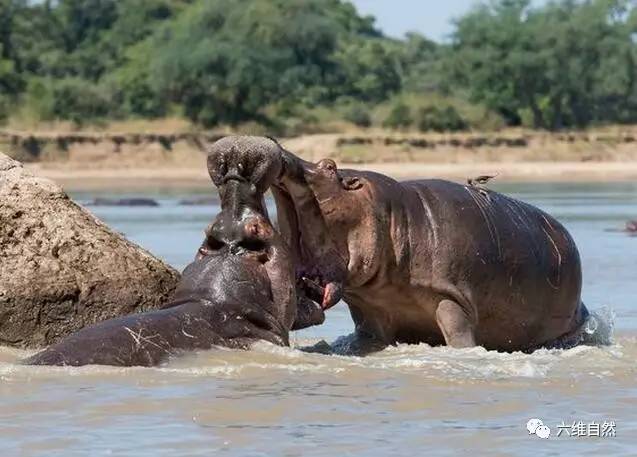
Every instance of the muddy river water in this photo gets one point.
(405, 400)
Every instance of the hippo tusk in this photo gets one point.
(332, 295)
(328, 295)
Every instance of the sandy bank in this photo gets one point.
(135, 178)
(85, 160)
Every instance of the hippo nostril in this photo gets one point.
(351, 183)
(212, 244)
(247, 245)
(252, 245)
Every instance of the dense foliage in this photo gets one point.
(567, 64)
(291, 64)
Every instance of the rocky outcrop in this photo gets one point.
(61, 268)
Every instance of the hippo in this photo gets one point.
(243, 168)
(426, 261)
(224, 298)
(244, 223)
(631, 226)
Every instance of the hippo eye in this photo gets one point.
(327, 164)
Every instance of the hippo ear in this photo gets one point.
(352, 183)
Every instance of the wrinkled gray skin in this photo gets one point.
(429, 261)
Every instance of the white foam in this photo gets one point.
(421, 360)
(599, 327)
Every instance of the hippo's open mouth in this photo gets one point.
(243, 168)
(320, 268)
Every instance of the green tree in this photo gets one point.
(248, 54)
(11, 80)
(568, 63)
(370, 69)
(421, 64)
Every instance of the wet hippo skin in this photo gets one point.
(442, 263)
(425, 261)
(230, 296)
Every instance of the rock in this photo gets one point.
(61, 268)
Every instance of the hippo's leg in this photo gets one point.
(455, 325)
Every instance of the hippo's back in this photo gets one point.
(516, 265)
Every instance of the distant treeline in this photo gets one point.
(297, 65)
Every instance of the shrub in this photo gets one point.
(79, 101)
(4, 109)
(440, 119)
(399, 117)
(358, 115)
(138, 98)
(72, 99)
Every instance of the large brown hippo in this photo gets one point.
(232, 295)
(423, 261)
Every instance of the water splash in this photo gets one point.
(423, 361)
(599, 327)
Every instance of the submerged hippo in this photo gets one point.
(223, 299)
(423, 261)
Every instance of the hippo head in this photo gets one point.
(327, 182)
(244, 168)
(260, 251)
(320, 211)
(242, 290)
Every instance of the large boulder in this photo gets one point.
(61, 268)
